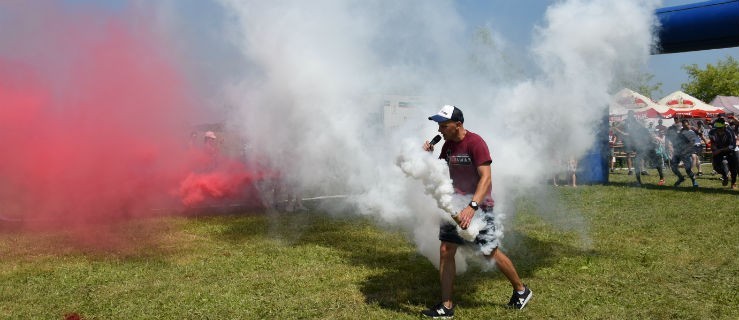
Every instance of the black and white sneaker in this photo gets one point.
(439, 311)
(518, 301)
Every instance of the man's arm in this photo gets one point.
(714, 147)
(483, 186)
(733, 137)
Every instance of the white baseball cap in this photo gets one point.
(448, 112)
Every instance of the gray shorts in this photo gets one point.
(698, 149)
(486, 241)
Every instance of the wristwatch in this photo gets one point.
(474, 205)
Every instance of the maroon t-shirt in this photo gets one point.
(463, 158)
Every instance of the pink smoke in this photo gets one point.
(94, 121)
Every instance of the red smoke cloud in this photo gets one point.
(229, 181)
(94, 120)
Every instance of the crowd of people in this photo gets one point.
(682, 144)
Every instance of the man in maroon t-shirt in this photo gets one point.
(469, 160)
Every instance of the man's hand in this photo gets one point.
(717, 151)
(427, 146)
(465, 216)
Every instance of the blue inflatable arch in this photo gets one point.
(699, 26)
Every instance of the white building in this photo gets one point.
(397, 109)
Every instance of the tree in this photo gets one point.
(642, 83)
(722, 79)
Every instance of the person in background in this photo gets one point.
(663, 156)
(699, 146)
(695, 140)
(612, 141)
(734, 125)
(624, 132)
(706, 127)
(572, 171)
(468, 158)
(570, 168)
(670, 133)
(211, 151)
(660, 128)
(647, 164)
(682, 143)
(645, 143)
(723, 145)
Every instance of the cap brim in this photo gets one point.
(438, 118)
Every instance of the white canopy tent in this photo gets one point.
(629, 100)
(728, 103)
(684, 104)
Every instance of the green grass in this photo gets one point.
(592, 252)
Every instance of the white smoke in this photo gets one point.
(434, 175)
(311, 76)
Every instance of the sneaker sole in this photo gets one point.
(527, 300)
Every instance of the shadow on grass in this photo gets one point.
(684, 187)
(401, 278)
(394, 287)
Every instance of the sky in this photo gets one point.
(98, 93)
(521, 16)
(514, 20)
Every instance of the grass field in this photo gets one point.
(602, 252)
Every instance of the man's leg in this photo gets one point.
(521, 294)
(674, 167)
(613, 160)
(696, 163)
(574, 179)
(447, 271)
(718, 166)
(643, 164)
(657, 161)
(733, 166)
(638, 159)
(506, 267)
(688, 162)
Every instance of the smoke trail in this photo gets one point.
(581, 60)
(434, 175)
